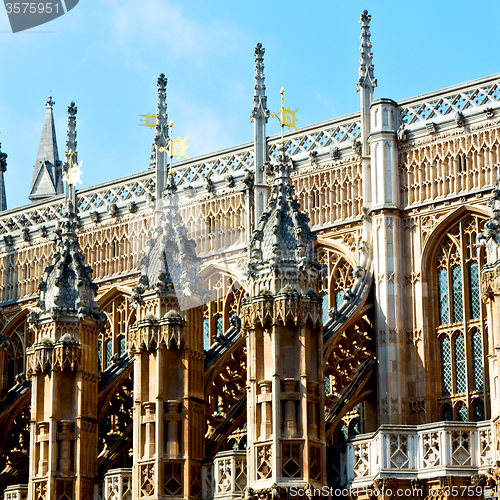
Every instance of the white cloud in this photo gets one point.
(167, 28)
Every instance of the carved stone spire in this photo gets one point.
(71, 155)
(71, 134)
(67, 285)
(158, 152)
(282, 247)
(3, 168)
(259, 116)
(366, 77)
(170, 263)
(47, 172)
(259, 91)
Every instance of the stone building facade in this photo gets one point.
(318, 309)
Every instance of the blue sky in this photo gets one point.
(106, 55)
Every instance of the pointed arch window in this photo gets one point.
(457, 312)
(462, 414)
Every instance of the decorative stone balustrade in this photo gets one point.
(230, 474)
(118, 484)
(419, 451)
(16, 492)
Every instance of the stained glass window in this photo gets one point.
(339, 298)
(458, 314)
(445, 367)
(462, 413)
(460, 377)
(99, 355)
(477, 362)
(474, 301)
(325, 307)
(478, 410)
(447, 413)
(443, 296)
(206, 334)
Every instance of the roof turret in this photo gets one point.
(47, 171)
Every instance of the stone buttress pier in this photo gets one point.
(281, 317)
(62, 365)
(169, 410)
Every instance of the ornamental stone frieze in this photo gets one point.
(45, 355)
(286, 305)
(151, 333)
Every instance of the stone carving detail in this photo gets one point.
(227, 388)
(431, 449)
(448, 166)
(147, 482)
(346, 356)
(264, 461)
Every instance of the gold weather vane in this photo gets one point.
(285, 115)
(176, 148)
(72, 175)
(149, 121)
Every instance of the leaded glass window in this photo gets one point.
(445, 367)
(219, 326)
(444, 300)
(206, 334)
(328, 386)
(460, 376)
(339, 298)
(477, 362)
(447, 413)
(325, 305)
(474, 300)
(458, 314)
(462, 413)
(99, 355)
(122, 346)
(478, 406)
(109, 352)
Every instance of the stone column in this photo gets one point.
(388, 261)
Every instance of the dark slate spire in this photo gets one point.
(3, 168)
(282, 247)
(67, 285)
(47, 171)
(170, 263)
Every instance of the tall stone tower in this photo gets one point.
(281, 317)
(62, 364)
(166, 342)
